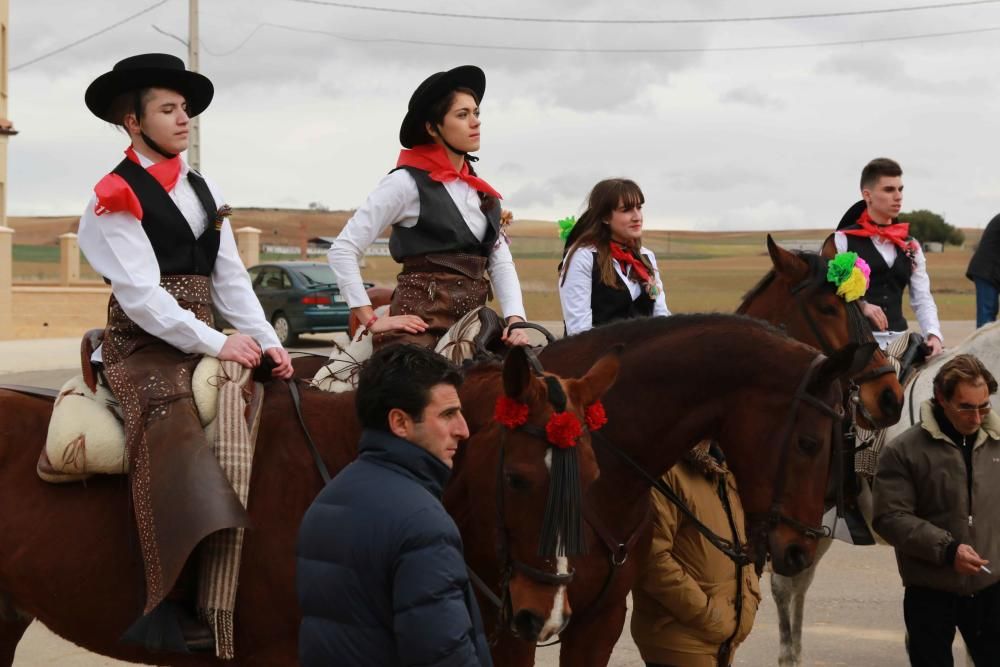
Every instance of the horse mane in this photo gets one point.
(817, 276)
(641, 328)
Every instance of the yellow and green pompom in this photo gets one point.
(840, 267)
(855, 285)
(566, 226)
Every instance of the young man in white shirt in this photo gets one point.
(159, 234)
(870, 228)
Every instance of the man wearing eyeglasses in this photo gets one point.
(937, 501)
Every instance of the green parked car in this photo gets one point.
(297, 297)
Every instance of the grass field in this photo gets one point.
(702, 271)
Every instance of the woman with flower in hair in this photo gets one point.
(607, 274)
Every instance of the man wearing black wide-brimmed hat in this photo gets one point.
(159, 234)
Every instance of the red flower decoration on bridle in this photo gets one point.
(595, 416)
(510, 413)
(563, 428)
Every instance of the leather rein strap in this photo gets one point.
(324, 472)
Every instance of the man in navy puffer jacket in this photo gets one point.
(381, 575)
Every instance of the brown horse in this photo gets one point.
(796, 296)
(681, 379)
(538, 474)
(68, 555)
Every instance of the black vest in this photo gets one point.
(178, 252)
(608, 304)
(440, 229)
(887, 282)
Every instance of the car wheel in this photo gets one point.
(283, 328)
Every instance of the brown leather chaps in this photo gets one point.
(179, 493)
(441, 289)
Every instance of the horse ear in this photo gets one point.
(848, 361)
(599, 379)
(516, 373)
(787, 264)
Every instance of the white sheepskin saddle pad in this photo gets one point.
(340, 373)
(86, 435)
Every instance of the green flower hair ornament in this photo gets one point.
(566, 226)
(850, 274)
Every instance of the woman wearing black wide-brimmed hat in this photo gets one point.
(446, 222)
(159, 234)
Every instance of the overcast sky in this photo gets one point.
(770, 139)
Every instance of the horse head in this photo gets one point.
(791, 457)
(545, 465)
(797, 296)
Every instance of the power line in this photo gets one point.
(730, 19)
(549, 49)
(88, 37)
(201, 42)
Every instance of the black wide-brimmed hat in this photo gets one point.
(434, 87)
(149, 70)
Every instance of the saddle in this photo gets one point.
(477, 335)
(913, 357)
(86, 433)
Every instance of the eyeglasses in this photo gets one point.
(981, 410)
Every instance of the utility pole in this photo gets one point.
(194, 135)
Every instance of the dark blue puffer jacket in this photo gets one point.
(381, 577)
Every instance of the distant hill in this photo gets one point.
(290, 226)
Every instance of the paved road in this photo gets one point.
(854, 617)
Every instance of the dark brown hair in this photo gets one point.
(876, 169)
(435, 116)
(591, 229)
(963, 368)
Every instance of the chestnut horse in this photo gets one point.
(681, 379)
(68, 556)
(796, 296)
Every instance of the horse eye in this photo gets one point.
(808, 445)
(516, 482)
(828, 309)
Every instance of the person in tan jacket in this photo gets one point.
(692, 605)
(936, 498)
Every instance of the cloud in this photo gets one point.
(752, 97)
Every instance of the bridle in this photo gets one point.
(509, 564)
(860, 332)
(762, 523)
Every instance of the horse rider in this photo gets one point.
(159, 233)
(381, 574)
(936, 493)
(607, 274)
(446, 223)
(871, 229)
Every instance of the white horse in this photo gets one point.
(790, 592)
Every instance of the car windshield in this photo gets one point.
(317, 274)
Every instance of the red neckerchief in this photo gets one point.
(114, 195)
(896, 232)
(627, 258)
(433, 159)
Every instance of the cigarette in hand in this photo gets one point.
(984, 569)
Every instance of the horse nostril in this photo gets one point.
(527, 625)
(795, 559)
(891, 406)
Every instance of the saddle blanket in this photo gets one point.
(470, 336)
(86, 435)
